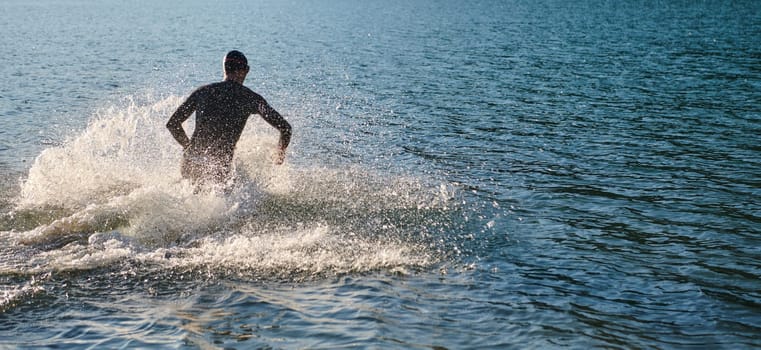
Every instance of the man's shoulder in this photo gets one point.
(252, 95)
(213, 86)
(248, 90)
(230, 85)
(242, 92)
(204, 89)
(221, 87)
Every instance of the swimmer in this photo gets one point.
(222, 110)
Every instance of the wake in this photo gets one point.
(113, 196)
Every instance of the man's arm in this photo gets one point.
(180, 116)
(271, 116)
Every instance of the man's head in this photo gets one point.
(236, 66)
(235, 61)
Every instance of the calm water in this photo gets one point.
(488, 174)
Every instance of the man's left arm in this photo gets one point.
(271, 116)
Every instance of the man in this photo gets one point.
(221, 112)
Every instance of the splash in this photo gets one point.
(114, 194)
(121, 149)
(12, 296)
(304, 252)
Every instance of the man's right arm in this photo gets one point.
(175, 122)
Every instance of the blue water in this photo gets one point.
(463, 175)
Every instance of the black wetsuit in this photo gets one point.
(222, 110)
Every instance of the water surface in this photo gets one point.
(492, 174)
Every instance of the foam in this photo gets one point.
(304, 252)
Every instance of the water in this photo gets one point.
(491, 174)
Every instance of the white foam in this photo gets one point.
(153, 215)
(303, 252)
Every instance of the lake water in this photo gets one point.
(463, 175)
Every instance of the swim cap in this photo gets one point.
(235, 60)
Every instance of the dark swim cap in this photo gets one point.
(235, 60)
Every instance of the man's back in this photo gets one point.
(222, 110)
